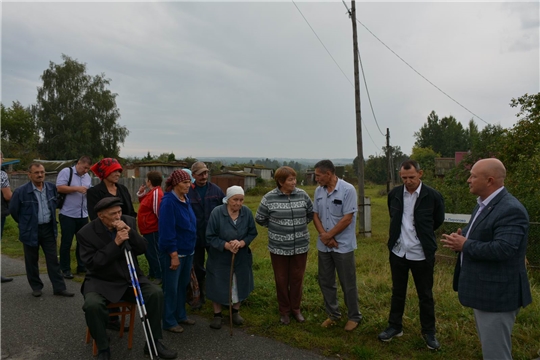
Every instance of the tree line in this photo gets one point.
(75, 113)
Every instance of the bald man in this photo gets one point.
(490, 274)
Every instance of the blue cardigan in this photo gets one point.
(24, 210)
(177, 225)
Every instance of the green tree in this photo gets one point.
(19, 133)
(376, 168)
(444, 136)
(148, 157)
(521, 154)
(77, 114)
(426, 158)
(487, 143)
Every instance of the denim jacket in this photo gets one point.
(24, 210)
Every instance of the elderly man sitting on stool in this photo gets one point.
(108, 280)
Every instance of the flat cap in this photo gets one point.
(107, 202)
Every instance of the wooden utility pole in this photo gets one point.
(359, 146)
(390, 172)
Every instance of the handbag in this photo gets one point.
(193, 291)
(60, 198)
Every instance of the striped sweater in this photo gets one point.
(286, 217)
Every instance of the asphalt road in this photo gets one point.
(53, 327)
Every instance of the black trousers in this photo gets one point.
(422, 272)
(97, 314)
(200, 271)
(47, 241)
(70, 226)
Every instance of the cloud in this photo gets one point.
(251, 78)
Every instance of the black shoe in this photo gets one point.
(104, 354)
(389, 333)
(162, 351)
(6, 279)
(68, 275)
(114, 325)
(36, 293)
(431, 341)
(64, 293)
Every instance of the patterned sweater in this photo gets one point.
(286, 217)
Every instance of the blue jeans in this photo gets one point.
(152, 255)
(175, 289)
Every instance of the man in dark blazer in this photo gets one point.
(101, 247)
(416, 211)
(490, 274)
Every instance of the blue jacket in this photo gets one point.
(24, 210)
(177, 225)
(203, 208)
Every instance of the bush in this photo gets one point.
(259, 190)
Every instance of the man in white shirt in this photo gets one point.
(416, 211)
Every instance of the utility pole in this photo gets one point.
(390, 173)
(359, 146)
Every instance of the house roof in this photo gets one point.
(235, 173)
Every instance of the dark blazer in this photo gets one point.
(106, 264)
(24, 210)
(100, 191)
(428, 216)
(203, 208)
(493, 276)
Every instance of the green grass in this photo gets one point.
(455, 323)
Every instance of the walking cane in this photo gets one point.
(230, 293)
(152, 349)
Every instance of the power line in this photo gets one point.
(350, 82)
(307, 22)
(422, 76)
(367, 92)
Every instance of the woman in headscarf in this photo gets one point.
(177, 236)
(286, 212)
(109, 170)
(230, 230)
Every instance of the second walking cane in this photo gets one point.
(140, 302)
(230, 292)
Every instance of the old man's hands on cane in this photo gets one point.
(122, 232)
(454, 241)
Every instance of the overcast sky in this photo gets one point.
(252, 79)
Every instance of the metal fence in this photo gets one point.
(533, 246)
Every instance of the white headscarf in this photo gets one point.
(233, 190)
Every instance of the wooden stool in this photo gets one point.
(126, 308)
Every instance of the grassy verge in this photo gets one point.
(455, 323)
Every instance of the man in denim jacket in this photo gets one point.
(33, 207)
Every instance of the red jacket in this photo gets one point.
(147, 217)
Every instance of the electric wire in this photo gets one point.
(413, 69)
(367, 92)
(350, 82)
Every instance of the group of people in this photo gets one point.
(194, 220)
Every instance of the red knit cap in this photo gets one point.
(176, 178)
(105, 167)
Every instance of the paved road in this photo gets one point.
(53, 328)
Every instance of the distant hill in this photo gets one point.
(308, 162)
